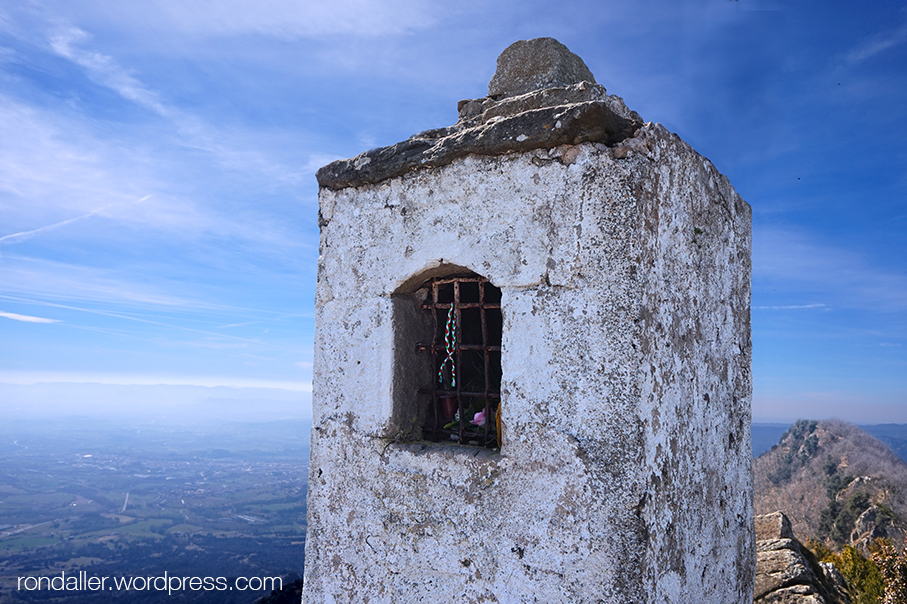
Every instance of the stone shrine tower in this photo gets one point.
(532, 359)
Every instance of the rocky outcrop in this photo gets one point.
(528, 65)
(787, 572)
(872, 524)
(561, 105)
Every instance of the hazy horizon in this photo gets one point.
(167, 403)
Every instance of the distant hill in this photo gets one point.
(893, 435)
(836, 482)
(766, 435)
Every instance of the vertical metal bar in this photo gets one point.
(481, 285)
(435, 400)
(457, 355)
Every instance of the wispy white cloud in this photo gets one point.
(138, 379)
(53, 162)
(56, 170)
(56, 281)
(104, 70)
(15, 237)
(799, 262)
(158, 322)
(26, 318)
(243, 324)
(278, 18)
(193, 132)
(792, 307)
(876, 45)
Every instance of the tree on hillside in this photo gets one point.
(893, 567)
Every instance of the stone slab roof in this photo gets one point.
(525, 113)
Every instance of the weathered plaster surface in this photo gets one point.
(625, 473)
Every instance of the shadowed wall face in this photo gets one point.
(623, 261)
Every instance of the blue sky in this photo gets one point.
(158, 203)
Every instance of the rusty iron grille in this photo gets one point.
(466, 396)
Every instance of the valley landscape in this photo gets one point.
(221, 501)
(228, 500)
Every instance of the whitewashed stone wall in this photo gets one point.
(625, 471)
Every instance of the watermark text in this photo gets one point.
(81, 581)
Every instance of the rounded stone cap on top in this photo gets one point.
(528, 65)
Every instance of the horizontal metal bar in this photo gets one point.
(446, 306)
(436, 348)
(445, 280)
(489, 394)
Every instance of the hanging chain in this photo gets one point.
(450, 346)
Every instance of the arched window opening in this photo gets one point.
(464, 400)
